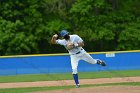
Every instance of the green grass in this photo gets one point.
(23, 90)
(68, 76)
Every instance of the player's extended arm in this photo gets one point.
(53, 40)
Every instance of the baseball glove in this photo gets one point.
(70, 45)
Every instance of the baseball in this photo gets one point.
(55, 35)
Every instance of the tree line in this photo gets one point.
(26, 26)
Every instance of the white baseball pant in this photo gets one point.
(81, 56)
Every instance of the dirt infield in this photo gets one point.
(68, 82)
(101, 89)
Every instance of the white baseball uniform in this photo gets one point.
(77, 53)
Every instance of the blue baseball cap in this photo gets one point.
(63, 33)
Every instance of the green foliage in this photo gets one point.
(14, 41)
(130, 37)
(26, 26)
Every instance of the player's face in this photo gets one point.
(66, 37)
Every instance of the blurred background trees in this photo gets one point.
(26, 26)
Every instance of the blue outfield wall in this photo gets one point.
(60, 63)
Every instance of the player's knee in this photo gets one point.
(74, 71)
(93, 61)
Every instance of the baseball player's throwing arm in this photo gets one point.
(53, 40)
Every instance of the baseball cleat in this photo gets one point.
(100, 62)
(77, 86)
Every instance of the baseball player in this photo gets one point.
(74, 44)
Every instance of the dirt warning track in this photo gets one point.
(68, 82)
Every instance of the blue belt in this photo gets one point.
(77, 52)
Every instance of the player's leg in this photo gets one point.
(74, 64)
(86, 57)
